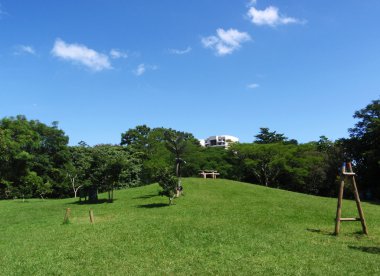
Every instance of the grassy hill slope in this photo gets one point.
(218, 227)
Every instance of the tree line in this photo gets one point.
(36, 160)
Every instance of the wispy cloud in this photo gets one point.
(271, 17)
(116, 54)
(24, 49)
(253, 85)
(142, 68)
(80, 54)
(180, 52)
(226, 41)
(2, 12)
(251, 3)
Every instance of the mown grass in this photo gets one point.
(218, 227)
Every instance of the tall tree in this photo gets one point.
(364, 146)
(31, 147)
(176, 144)
(136, 137)
(77, 170)
(111, 167)
(268, 137)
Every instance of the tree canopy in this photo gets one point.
(36, 160)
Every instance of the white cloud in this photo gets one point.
(24, 49)
(180, 52)
(115, 54)
(270, 16)
(80, 54)
(142, 68)
(252, 3)
(253, 86)
(226, 41)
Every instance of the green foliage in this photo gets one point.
(31, 151)
(293, 167)
(168, 182)
(159, 148)
(363, 146)
(136, 137)
(112, 167)
(264, 161)
(216, 158)
(267, 137)
(35, 160)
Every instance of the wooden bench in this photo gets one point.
(211, 173)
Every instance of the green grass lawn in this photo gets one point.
(218, 227)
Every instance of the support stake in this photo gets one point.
(67, 216)
(91, 216)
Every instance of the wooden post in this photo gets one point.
(358, 204)
(67, 216)
(91, 216)
(339, 207)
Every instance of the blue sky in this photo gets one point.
(208, 67)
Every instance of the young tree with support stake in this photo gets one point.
(168, 183)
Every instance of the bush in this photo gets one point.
(168, 182)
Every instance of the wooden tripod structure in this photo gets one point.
(346, 176)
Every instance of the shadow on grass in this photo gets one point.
(153, 205)
(374, 202)
(367, 249)
(358, 234)
(100, 201)
(146, 196)
(322, 232)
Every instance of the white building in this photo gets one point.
(219, 141)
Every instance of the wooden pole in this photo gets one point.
(91, 213)
(340, 200)
(358, 204)
(339, 208)
(67, 216)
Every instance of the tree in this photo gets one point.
(32, 183)
(136, 137)
(267, 137)
(158, 147)
(77, 170)
(264, 161)
(168, 183)
(176, 144)
(29, 147)
(111, 167)
(333, 156)
(363, 146)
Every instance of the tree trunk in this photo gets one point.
(178, 168)
(112, 192)
(93, 194)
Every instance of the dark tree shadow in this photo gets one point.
(319, 231)
(146, 196)
(367, 249)
(374, 202)
(153, 205)
(86, 202)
